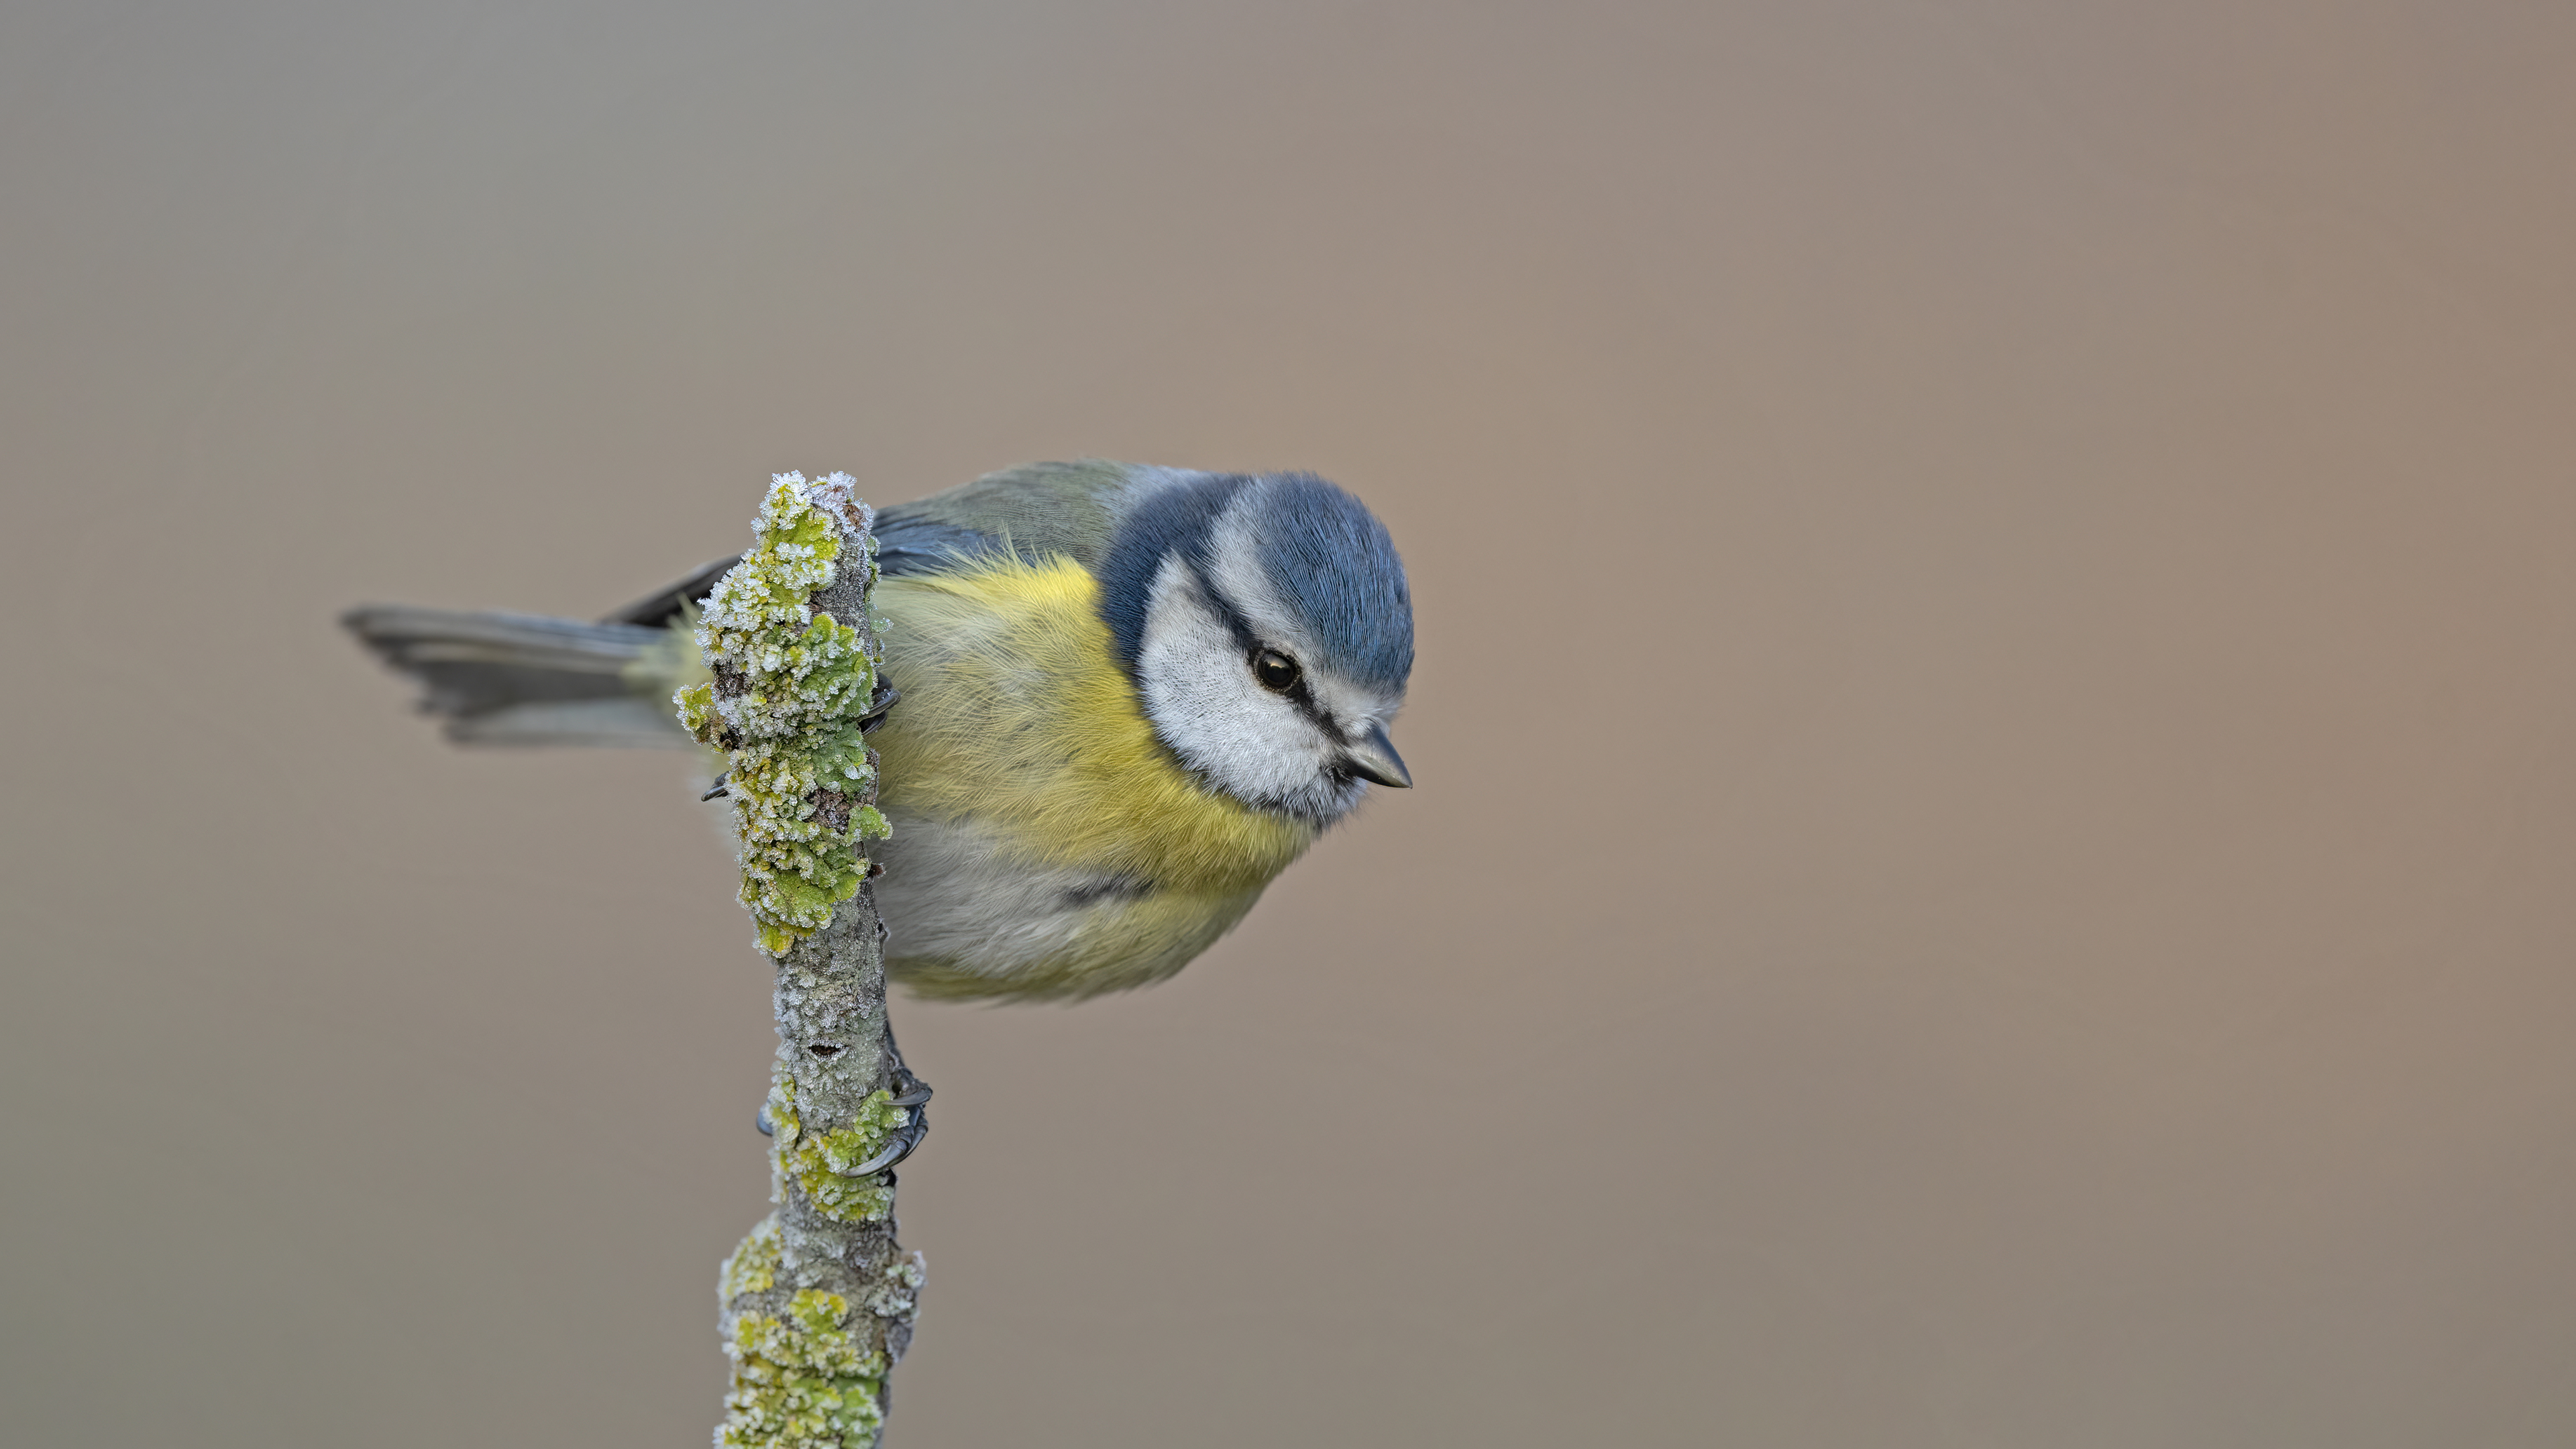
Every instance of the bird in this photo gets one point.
(1118, 700)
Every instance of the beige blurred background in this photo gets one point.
(1996, 726)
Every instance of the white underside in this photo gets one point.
(950, 895)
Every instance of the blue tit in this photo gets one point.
(1127, 698)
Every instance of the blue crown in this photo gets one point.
(1327, 556)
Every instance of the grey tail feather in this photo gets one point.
(520, 679)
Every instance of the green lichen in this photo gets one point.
(753, 1265)
(802, 1381)
(820, 1161)
(789, 684)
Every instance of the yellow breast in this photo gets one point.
(1014, 715)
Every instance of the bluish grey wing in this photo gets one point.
(912, 544)
(905, 545)
(1035, 510)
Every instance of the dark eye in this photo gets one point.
(1275, 670)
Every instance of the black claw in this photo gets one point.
(878, 703)
(912, 1094)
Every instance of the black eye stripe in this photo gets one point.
(1235, 623)
(1292, 686)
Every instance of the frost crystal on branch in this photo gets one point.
(790, 685)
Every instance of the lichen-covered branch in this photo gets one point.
(818, 1300)
(791, 685)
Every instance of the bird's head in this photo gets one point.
(1266, 626)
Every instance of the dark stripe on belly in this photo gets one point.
(1107, 888)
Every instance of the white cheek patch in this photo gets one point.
(1204, 702)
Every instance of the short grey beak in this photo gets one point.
(1374, 758)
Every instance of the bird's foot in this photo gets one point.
(885, 698)
(910, 1093)
(913, 1095)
